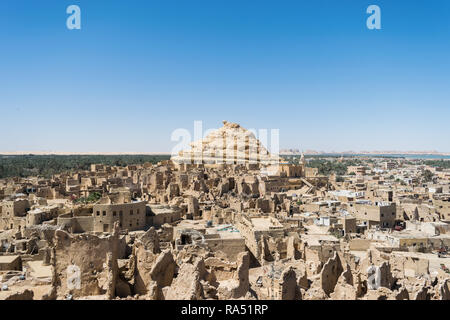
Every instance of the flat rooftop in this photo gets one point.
(225, 231)
(192, 224)
(263, 224)
(8, 259)
(315, 239)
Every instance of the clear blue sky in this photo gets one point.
(137, 70)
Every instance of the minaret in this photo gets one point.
(302, 160)
(303, 164)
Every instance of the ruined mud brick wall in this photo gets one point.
(359, 244)
(84, 264)
(230, 246)
(78, 224)
(251, 237)
(409, 266)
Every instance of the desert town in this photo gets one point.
(254, 228)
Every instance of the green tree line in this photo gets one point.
(47, 165)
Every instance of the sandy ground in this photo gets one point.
(38, 290)
(37, 270)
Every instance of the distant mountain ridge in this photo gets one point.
(314, 152)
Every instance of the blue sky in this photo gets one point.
(137, 70)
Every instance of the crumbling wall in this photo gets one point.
(150, 266)
(408, 266)
(330, 273)
(189, 283)
(84, 265)
(288, 284)
(239, 286)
